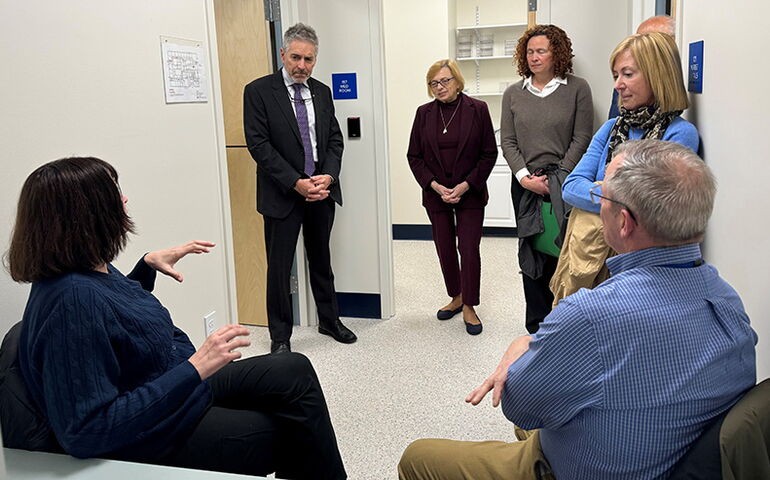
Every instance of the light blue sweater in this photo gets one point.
(591, 167)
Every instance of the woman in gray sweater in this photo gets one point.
(546, 125)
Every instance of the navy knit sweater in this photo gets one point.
(106, 365)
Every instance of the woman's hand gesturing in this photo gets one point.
(219, 349)
(164, 260)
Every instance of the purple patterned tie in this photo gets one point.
(304, 129)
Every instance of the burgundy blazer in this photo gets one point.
(476, 154)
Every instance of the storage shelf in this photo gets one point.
(484, 94)
(488, 27)
(476, 59)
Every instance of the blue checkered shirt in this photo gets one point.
(623, 378)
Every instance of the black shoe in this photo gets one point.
(339, 332)
(473, 329)
(280, 347)
(447, 314)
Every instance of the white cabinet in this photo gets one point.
(499, 211)
(486, 33)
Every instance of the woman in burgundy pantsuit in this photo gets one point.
(452, 150)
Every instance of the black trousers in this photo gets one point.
(537, 293)
(268, 415)
(316, 220)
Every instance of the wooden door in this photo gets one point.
(244, 54)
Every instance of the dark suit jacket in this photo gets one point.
(273, 139)
(476, 155)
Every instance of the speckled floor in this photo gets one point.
(407, 377)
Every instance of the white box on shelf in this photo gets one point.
(510, 47)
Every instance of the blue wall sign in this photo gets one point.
(695, 79)
(344, 86)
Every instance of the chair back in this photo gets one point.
(23, 425)
(736, 446)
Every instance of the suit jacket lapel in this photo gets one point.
(282, 99)
(466, 123)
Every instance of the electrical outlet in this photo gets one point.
(210, 323)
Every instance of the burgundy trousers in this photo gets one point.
(459, 230)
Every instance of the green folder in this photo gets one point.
(545, 241)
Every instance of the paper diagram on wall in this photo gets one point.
(184, 70)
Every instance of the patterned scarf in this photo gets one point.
(650, 119)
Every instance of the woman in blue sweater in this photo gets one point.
(111, 373)
(648, 78)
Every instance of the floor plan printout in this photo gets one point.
(184, 71)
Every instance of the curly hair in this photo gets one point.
(559, 44)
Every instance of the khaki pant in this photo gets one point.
(439, 459)
(581, 262)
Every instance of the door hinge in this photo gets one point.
(272, 10)
(293, 284)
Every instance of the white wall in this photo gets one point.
(413, 41)
(83, 77)
(595, 28)
(729, 116)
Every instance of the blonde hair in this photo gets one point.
(452, 66)
(658, 59)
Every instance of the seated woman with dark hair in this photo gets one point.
(111, 373)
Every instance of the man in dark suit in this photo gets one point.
(296, 141)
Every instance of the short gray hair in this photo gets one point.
(301, 32)
(667, 186)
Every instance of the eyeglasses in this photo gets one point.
(443, 82)
(596, 196)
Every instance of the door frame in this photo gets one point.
(293, 11)
(228, 264)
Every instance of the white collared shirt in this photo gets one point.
(549, 88)
(308, 97)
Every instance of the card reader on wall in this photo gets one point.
(354, 127)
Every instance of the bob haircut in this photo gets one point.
(452, 66)
(658, 59)
(70, 218)
(559, 44)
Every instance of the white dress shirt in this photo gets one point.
(549, 88)
(308, 97)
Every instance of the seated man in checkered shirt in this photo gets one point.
(620, 380)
